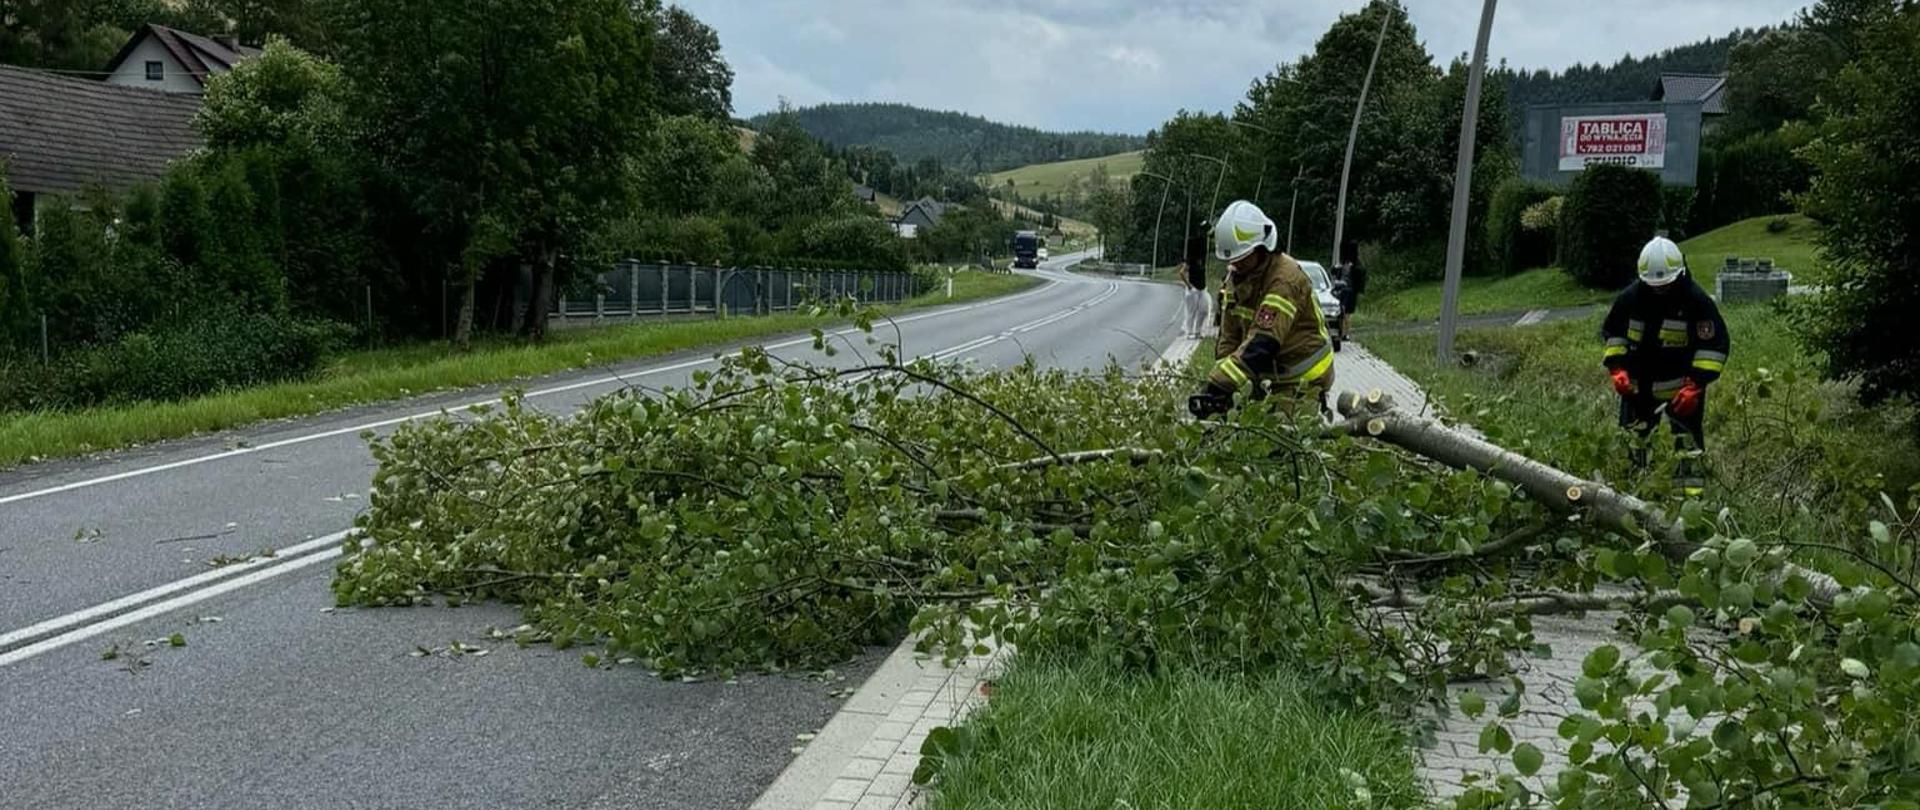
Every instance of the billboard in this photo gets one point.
(1561, 141)
(1637, 141)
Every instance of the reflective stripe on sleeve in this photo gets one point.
(1230, 368)
(1636, 330)
(1280, 302)
(1710, 361)
(1615, 351)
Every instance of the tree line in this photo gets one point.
(964, 142)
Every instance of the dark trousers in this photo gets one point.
(1642, 414)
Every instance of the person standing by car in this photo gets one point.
(1666, 342)
(1349, 281)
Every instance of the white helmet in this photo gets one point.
(1240, 229)
(1661, 262)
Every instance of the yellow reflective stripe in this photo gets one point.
(1230, 367)
(1615, 351)
(1709, 365)
(1243, 312)
(1279, 302)
(1704, 354)
(1312, 368)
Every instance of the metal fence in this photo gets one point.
(635, 289)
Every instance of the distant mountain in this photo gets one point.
(960, 141)
(1630, 79)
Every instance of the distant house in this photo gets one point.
(162, 58)
(866, 194)
(1708, 88)
(921, 214)
(60, 135)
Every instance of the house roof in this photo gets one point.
(61, 134)
(200, 56)
(1710, 88)
(928, 207)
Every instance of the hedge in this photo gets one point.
(1609, 214)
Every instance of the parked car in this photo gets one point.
(1323, 293)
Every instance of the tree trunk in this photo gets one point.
(540, 300)
(1373, 415)
(463, 323)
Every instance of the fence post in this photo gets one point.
(633, 290)
(44, 359)
(369, 315)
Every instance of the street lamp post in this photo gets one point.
(1462, 184)
(1166, 188)
(1299, 169)
(1261, 183)
(1353, 135)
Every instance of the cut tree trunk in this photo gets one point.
(1372, 415)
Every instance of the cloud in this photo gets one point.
(1127, 65)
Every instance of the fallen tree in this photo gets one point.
(777, 515)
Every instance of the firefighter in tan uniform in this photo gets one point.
(1272, 338)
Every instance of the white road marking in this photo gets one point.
(107, 608)
(329, 547)
(1531, 318)
(170, 605)
(611, 379)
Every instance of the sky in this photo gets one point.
(1127, 65)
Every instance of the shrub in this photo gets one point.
(857, 239)
(196, 357)
(1511, 245)
(1609, 213)
(1676, 210)
(13, 270)
(1779, 225)
(1543, 218)
(1392, 267)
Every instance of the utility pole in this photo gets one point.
(1462, 184)
(1166, 188)
(1353, 134)
(1298, 170)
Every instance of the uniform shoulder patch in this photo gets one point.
(1705, 330)
(1265, 317)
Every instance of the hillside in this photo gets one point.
(1057, 178)
(1631, 78)
(966, 142)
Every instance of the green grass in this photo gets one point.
(1790, 452)
(1549, 288)
(1793, 249)
(1055, 178)
(1081, 736)
(1540, 288)
(376, 375)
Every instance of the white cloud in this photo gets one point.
(1128, 64)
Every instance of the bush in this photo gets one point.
(1510, 244)
(1676, 210)
(1392, 267)
(1543, 218)
(857, 239)
(197, 357)
(1609, 213)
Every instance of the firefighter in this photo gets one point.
(1272, 338)
(1666, 342)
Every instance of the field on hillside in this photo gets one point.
(1054, 178)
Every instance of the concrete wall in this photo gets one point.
(1541, 157)
(133, 71)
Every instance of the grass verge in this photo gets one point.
(1791, 247)
(1082, 735)
(1797, 454)
(362, 377)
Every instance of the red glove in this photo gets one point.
(1686, 401)
(1622, 382)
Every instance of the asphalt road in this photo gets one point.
(278, 700)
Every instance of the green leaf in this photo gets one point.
(1855, 668)
(1528, 759)
(1601, 661)
(1680, 616)
(177, 640)
(1472, 704)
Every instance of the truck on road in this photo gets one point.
(1026, 250)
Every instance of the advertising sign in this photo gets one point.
(1637, 141)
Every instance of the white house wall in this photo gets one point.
(133, 70)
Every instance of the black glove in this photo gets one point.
(1211, 402)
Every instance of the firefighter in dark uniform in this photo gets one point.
(1273, 340)
(1666, 342)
